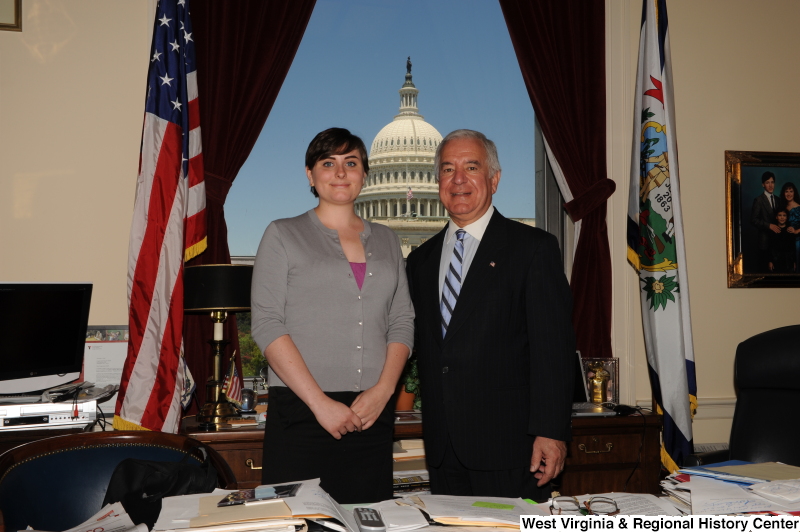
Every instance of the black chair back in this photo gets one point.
(58, 483)
(766, 422)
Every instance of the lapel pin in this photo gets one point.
(491, 264)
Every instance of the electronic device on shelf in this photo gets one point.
(46, 415)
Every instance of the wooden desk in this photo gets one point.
(241, 447)
(602, 455)
(604, 452)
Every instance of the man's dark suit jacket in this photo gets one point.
(505, 371)
(762, 215)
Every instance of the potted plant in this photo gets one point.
(408, 396)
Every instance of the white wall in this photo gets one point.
(735, 64)
(71, 104)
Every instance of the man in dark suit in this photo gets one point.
(765, 207)
(494, 339)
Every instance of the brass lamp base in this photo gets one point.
(213, 415)
(217, 408)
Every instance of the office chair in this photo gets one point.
(58, 483)
(766, 420)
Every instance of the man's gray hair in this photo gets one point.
(492, 161)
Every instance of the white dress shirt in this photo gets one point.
(472, 240)
(771, 200)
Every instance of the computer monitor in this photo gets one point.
(42, 334)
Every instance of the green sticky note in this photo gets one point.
(530, 501)
(495, 505)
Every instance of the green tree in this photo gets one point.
(252, 357)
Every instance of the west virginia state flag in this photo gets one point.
(655, 238)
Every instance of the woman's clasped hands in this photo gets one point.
(335, 417)
(339, 419)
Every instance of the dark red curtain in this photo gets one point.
(244, 51)
(560, 46)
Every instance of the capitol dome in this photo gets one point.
(401, 186)
(407, 135)
(401, 190)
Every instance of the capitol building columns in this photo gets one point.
(401, 191)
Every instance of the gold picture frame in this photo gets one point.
(11, 15)
(757, 256)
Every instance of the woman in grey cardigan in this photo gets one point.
(332, 313)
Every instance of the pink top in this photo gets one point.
(359, 269)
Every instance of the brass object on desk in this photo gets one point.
(599, 383)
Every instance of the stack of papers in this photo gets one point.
(112, 518)
(678, 493)
(745, 473)
(735, 487)
(188, 512)
(720, 472)
(780, 491)
(765, 471)
(475, 511)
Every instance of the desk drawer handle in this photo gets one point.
(249, 463)
(582, 447)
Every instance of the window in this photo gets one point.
(272, 183)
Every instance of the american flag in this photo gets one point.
(232, 386)
(169, 227)
(409, 194)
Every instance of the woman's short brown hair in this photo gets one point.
(334, 141)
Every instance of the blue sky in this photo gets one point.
(347, 72)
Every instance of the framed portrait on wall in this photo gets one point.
(762, 219)
(11, 15)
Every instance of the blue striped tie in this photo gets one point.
(452, 281)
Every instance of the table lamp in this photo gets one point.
(216, 289)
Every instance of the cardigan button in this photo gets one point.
(445, 369)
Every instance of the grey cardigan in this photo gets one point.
(303, 286)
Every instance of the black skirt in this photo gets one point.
(355, 469)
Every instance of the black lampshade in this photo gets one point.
(211, 287)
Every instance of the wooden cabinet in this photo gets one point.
(606, 454)
(613, 454)
(241, 447)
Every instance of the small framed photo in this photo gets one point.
(602, 379)
(762, 210)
